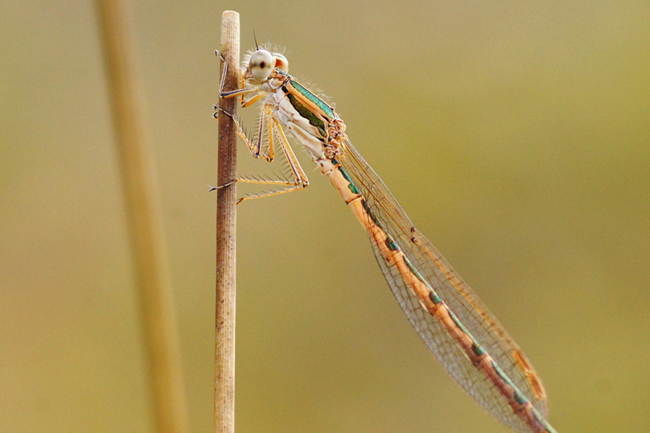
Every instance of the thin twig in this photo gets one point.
(224, 374)
(144, 221)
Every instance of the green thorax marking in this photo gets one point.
(315, 99)
(307, 114)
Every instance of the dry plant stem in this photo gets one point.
(224, 375)
(144, 223)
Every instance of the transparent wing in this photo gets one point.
(472, 313)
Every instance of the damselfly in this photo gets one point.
(455, 325)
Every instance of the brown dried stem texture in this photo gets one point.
(224, 387)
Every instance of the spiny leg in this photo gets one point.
(300, 179)
(242, 88)
(255, 148)
(225, 70)
(274, 128)
(294, 164)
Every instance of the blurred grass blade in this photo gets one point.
(144, 219)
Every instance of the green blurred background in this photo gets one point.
(515, 134)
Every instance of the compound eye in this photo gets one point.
(261, 65)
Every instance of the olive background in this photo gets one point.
(516, 135)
